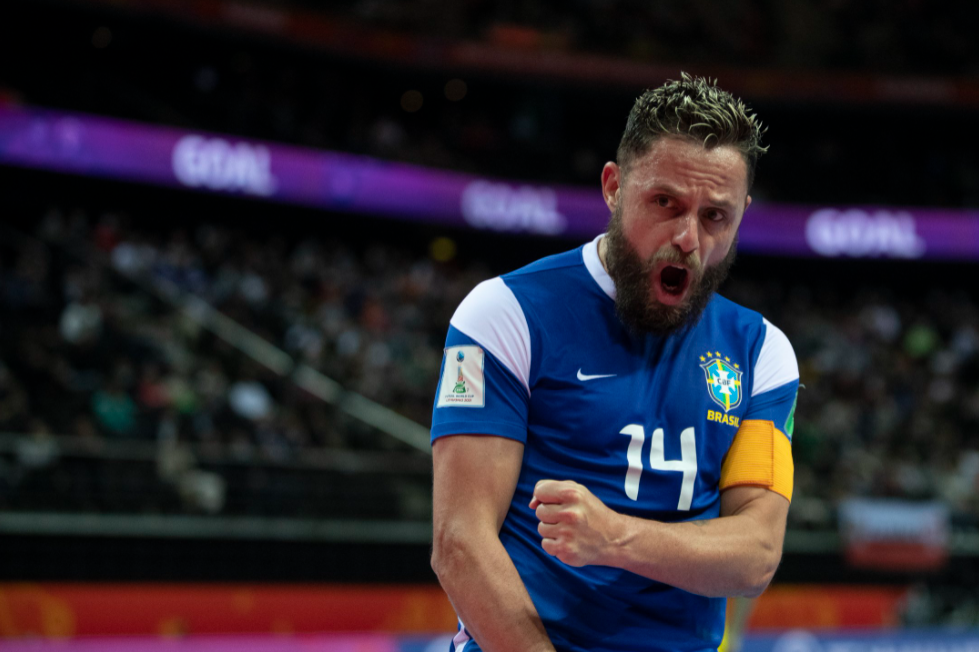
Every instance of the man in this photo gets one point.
(611, 441)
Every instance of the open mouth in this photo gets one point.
(673, 279)
(671, 283)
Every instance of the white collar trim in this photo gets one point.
(594, 266)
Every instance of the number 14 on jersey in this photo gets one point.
(687, 464)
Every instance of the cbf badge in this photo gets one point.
(723, 379)
(462, 383)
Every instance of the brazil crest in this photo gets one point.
(723, 381)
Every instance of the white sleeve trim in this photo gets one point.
(776, 363)
(492, 316)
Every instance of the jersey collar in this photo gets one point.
(594, 266)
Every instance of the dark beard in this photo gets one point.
(632, 277)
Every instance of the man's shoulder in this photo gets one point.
(768, 341)
(729, 320)
(549, 265)
(551, 281)
(524, 296)
(727, 312)
(503, 313)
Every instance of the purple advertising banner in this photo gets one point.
(87, 145)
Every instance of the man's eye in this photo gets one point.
(663, 202)
(714, 215)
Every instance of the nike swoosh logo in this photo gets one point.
(582, 376)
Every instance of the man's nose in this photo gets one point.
(687, 235)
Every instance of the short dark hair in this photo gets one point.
(693, 108)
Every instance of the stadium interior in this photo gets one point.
(204, 387)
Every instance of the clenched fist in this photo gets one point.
(576, 527)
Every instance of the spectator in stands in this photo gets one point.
(114, 410)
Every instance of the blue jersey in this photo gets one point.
(539, 356)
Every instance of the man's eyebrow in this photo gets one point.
(663, 188)
(722, 203)
(667, 189)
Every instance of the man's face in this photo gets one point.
(671, 239)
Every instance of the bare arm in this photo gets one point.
(735, 554)
(475, 477)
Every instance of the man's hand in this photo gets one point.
(576, 527)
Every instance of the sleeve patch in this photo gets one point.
(760, 455)
(463, 383)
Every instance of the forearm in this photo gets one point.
(488, 595)
(727, 556)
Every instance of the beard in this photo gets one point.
(633, 277)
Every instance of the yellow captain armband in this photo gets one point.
(760, 455)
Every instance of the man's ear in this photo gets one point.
(747, 202)
(611, 177)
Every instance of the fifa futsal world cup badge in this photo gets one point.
(460, 387)
(723, 379)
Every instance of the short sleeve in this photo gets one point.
(484, 383)
(776, 382)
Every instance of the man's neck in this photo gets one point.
(603, 252)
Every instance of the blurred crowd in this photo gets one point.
(104, 355)
(85, 353)
(909, 36)
(89, 350)
(890, 405)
